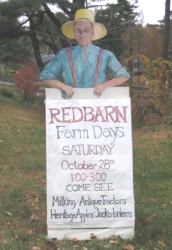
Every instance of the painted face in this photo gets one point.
(83, 32)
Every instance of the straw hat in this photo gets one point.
(84, 15)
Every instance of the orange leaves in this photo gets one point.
(111, 244)
(161, 243)
(74, 240)
(29, 231)
(36, 248)
(128, 247)
(114, 242)
(159, 73)
(165, 205)
(93, 236)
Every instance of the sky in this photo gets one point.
(153, 10)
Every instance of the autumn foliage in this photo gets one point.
(26, 83)
(150, 90)
(159, 74)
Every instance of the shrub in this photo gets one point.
(150, 91)
(159, 74)
(6, 93)
(26, 83)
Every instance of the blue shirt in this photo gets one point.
(84, 70)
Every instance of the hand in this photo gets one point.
(98, 89)
(69, 91)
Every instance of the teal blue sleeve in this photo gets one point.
(117, 70)
(53, 68)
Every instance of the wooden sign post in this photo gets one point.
(89, 164)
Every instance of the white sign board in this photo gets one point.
(89, 164)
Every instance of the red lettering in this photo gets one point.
(77, 114)
(54, 115)
(109, 113)
(66, 115)
(88, 114)
(99, 113)
(121, 114)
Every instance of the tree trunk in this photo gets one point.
(35, 44)
(57, 23)
(167, 29)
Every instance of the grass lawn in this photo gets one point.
(23, 185)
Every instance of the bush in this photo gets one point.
(159, 74)
(26, 82)
(150, 92)
(168, 120)
(6, 93)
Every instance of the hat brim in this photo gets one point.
(99, 30)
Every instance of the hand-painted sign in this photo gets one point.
(89, 163)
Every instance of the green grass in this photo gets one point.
(153, 181)
(23, 184)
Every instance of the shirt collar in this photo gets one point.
(87, 49)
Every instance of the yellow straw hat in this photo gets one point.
(84, 15)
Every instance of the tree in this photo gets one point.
(154, 50)
(34, 19)
(141, 40)
(117, 19)
(167, 29)
(13, 26)
(15, 52)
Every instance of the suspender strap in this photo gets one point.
(97, 66)
(73, 71)
(72, 66)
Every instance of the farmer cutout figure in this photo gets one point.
(84, 65)
(87, 66)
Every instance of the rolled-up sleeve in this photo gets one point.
(53, 68)
(117, 70)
